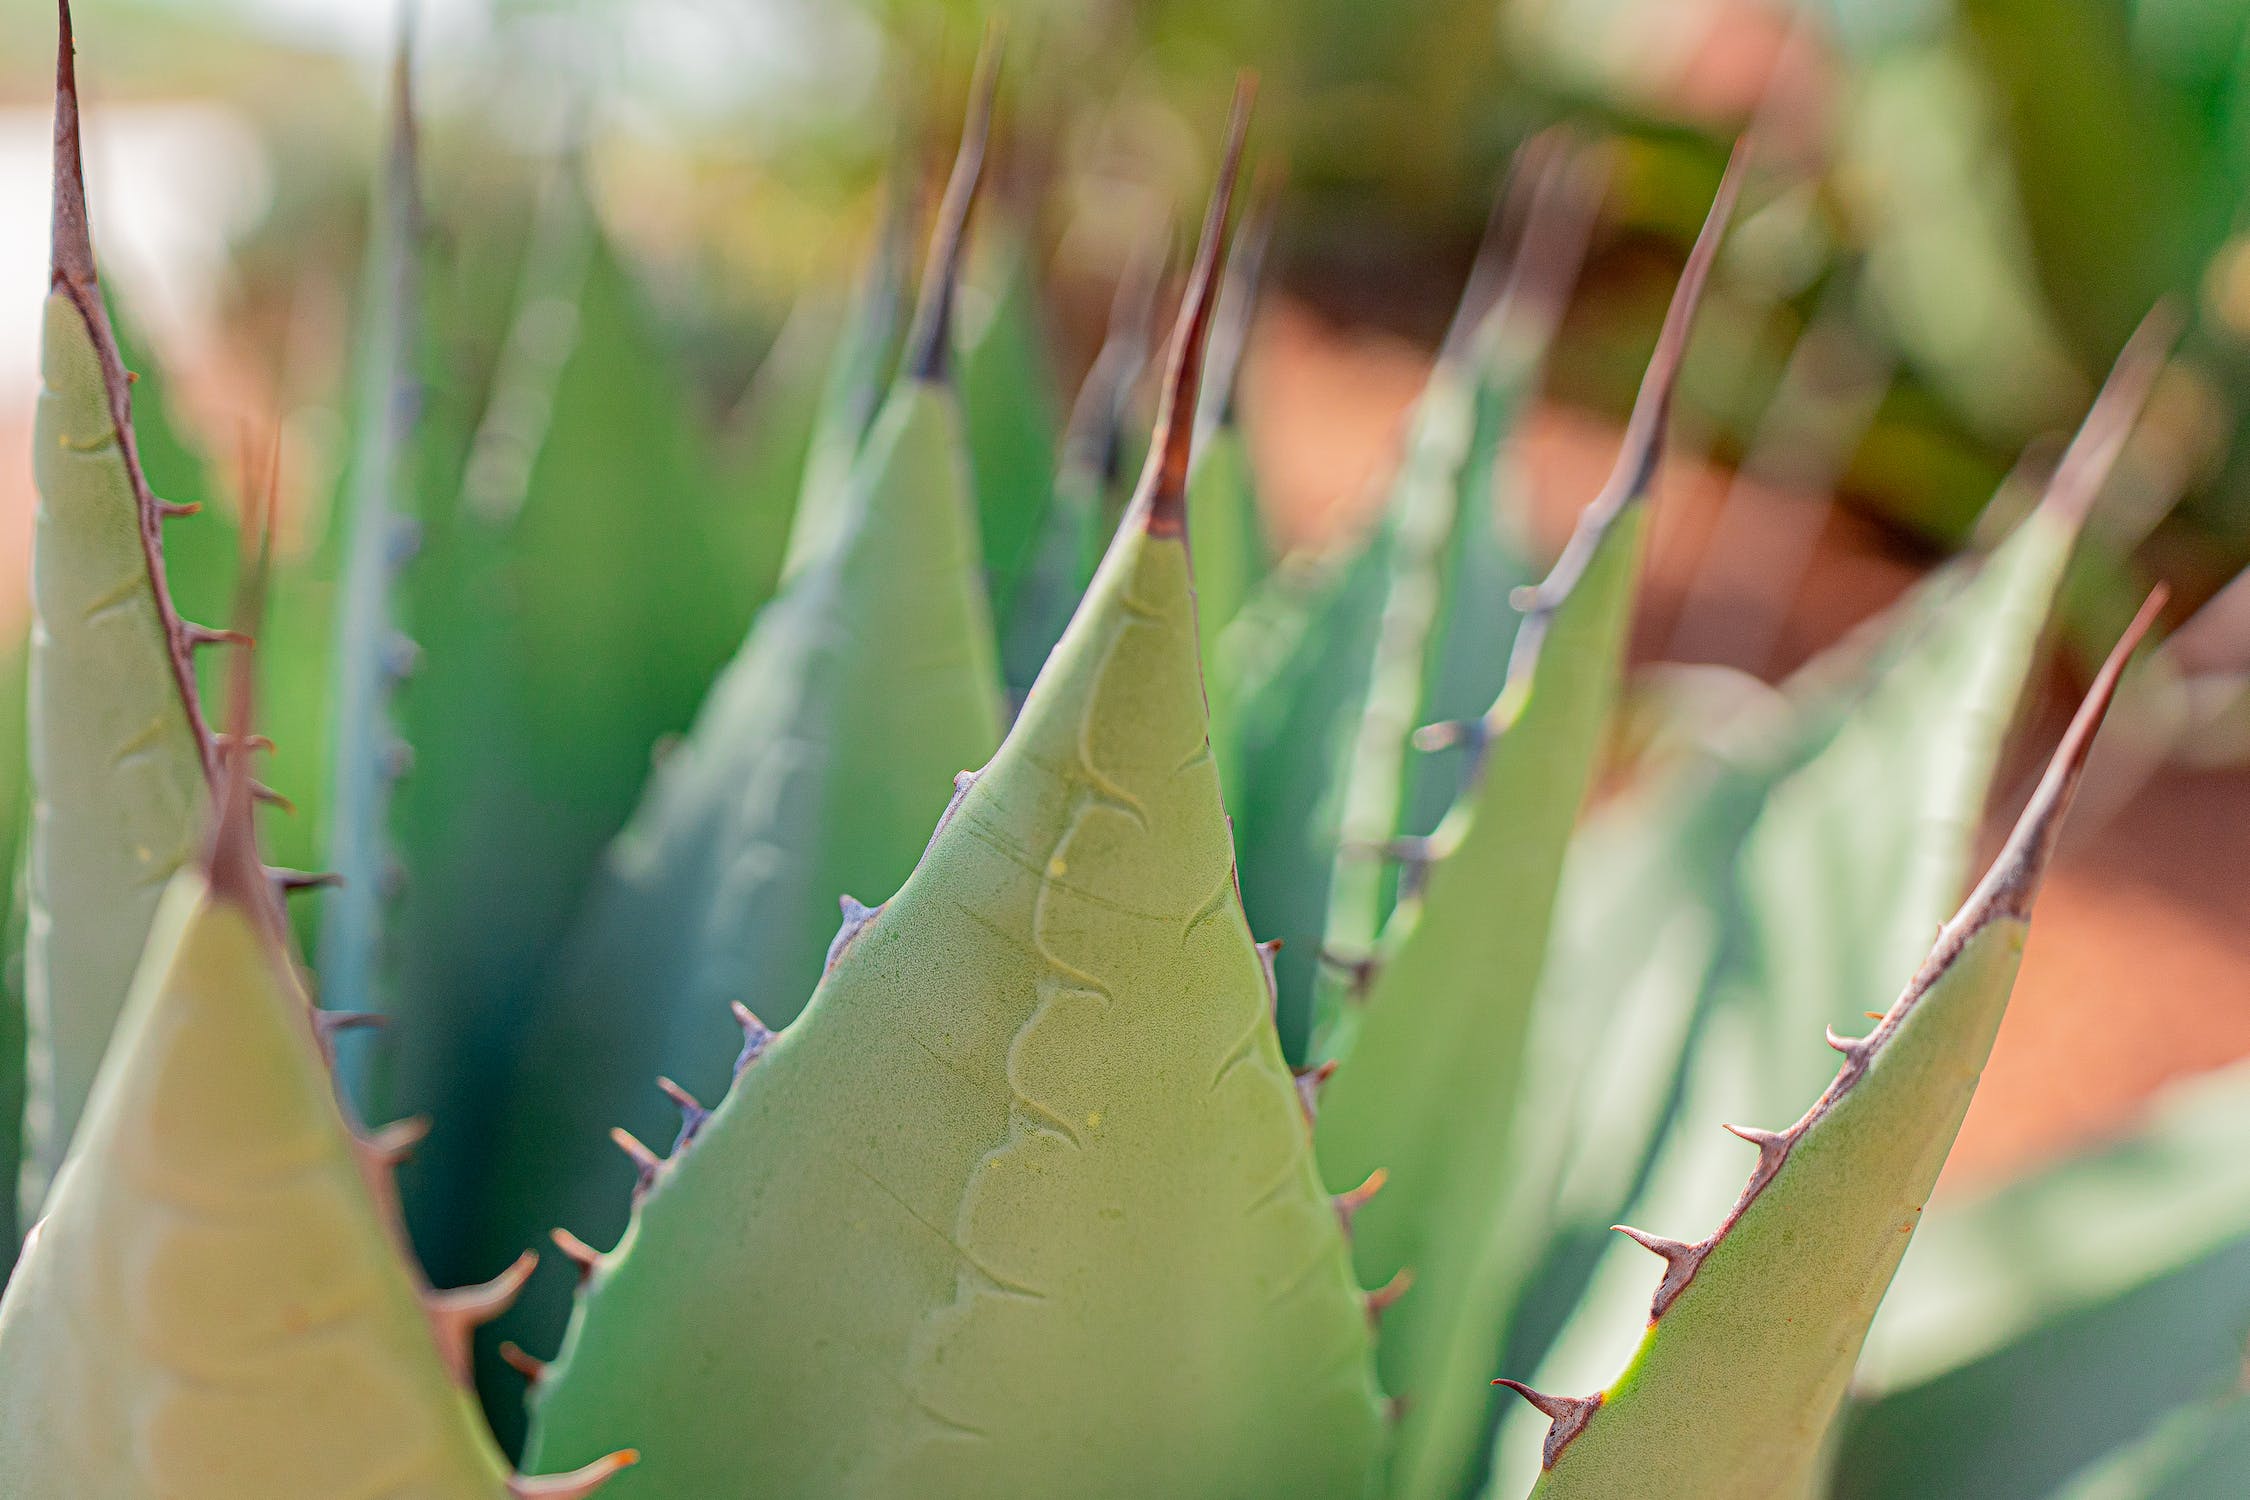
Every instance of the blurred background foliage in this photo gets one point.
(1987, 193)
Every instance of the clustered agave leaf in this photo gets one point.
(1040, 1172)
(1754, 1330)
(813, 773)
(120, 753)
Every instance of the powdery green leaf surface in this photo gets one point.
(214, 1306)
(1001, 367)
(1330, 664)
(1291, 664)
(119, 748)
(823, 754)
(1225, 536)
(1090, 471)
(853, 384)
(1023, 1203)
(2069, 1311)
(1754, 1330)
(1686, 974)
(572, 605)
(1441, 651)
(1430, 1057)
(381, 494)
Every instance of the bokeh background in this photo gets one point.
(1969, 205)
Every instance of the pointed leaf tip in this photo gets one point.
(1652, 408)
(72, 275)
(1163, 490)
(2085, 465)
(929, 343)
(1567, 1416)
(72, 246)
(2009, 886)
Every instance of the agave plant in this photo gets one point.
(1038, 1175)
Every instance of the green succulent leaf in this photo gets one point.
(812, 773)
(1330, 666)
(857, 377)
(1226, 532)
(1023, 1203)
(214, 1304)
(573, 598)
(389, 472)
(1432, 1055)
(1001, 364)
(120, 752)
(1442, 649)
(2070, 1311)
(2200, 1452)
(1754, 1330)
(1704, 920)
(1090, 472)
(1291, 663)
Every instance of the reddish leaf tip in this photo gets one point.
(2085, 465)
(1162, 500)
(2009, 887)
(928, 343)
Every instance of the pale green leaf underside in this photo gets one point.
(1684, 989)
(1735, 1385)
(117, 772)
(1023, 1203)
(213, 1307)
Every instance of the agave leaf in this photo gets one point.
(1022, 1204)
(1305, 669)
(1290, 663)
(1427, 1089)
(1693, 920)
(2200, 1452)
(214, 1304)
(1091, 468)
(812, 773)
(2069, 1311)
(572, 604)
(1442, 650)
(1226, 534)
(858, 375)
(1227, 539)
(767, 447)
(1754, 1330)
(15, 804)
(120, 752)
(387, 476)
(1005, 398)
